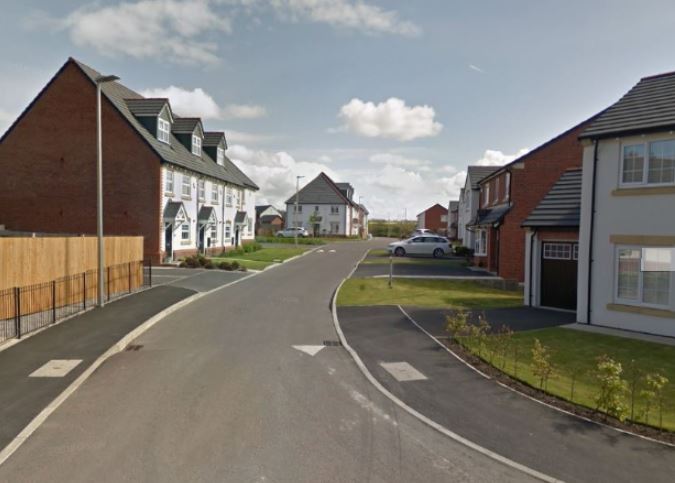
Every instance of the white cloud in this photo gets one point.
(197, 102)
(390, 119)
(166, 30)
(492, 157)
(476, 68)
(397, 160)
(357, 15)
(240, 137)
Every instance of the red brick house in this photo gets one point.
(510, 194)
(164, 177)
(434, 219)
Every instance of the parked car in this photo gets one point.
(291, 233)
(433, 245)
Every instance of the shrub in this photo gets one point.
(611, 388)
(252, 247)
(462, 251)
(201, 260)
(243, 268)
(191, 262)
(654, 383)
(208, 264)
(225, 266)
(235, 265)
(183, 264)
(457, 324)
(541, 363)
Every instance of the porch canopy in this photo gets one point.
(174, 213)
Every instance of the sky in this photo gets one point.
(395, 97)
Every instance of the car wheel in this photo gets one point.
(399, 252)
(438, 253)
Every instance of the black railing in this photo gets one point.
(32, 307)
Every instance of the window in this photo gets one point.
(196, 145)
(496, 194)
(213, 235)
(228, 197)
(486, 192)
(250, 227)
(201, 189)
(334, 210)
(163, 130)
(575, 252)
(238, 198)
(334, 227)
(557, 251)
(228, 230)
(220, 156)
(168, 182)
(187, 186)
(214, 193)
(507, 185)
(316, 209)
(480, 248)
(297, 209)
(643, 275)
(657, 169)
(633, 163)
(185, 232)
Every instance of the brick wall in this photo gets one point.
(48, 166)
(531, 180)
(432, 219)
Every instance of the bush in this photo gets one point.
(191, 262)
(235, 265)
(183, 264)
(208, 264)
(252, 247)
(462, 251)
(225, 266)
(612, 388)
(243, 268)
(541, 363)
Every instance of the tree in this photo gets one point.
(541, 363)
(457, 324)
(653, 392)
(612, 388)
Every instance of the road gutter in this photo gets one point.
(429, 422)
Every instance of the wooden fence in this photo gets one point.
(30, 261)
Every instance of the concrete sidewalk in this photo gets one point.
(84, 338)
(456, 397)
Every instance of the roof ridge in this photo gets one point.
(657, 76)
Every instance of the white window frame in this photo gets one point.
(215, 199)
(552, 250)
(486, 200)
(163, 130)
(480, 245)
(183, 240)
(201, 189)
(228, 196)
(228, 231)
(507, 185)
(196, 145)
(220, 156)
(639, 302)
(645, 165)
(186, 186)
(169, 182)
(334, 210)
(496, 193)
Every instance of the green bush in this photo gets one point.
(235, 265)
(243, 269)
(183, 264)
(208, 264)
(462, 251)
(225, 266)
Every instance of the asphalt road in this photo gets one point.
(218, 393)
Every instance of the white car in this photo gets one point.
(291, 233)
(422, 231)
(433, 245)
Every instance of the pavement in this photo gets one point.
(528, 432)
(419, 269)
(516, 318)
(241, 385)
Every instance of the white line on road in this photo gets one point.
(331, 251)
(56, 368)
(312, 350)
(403, 372)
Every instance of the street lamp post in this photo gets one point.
(295, 214)
(100, 80)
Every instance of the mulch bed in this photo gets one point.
(497, 375)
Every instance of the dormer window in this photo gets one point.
(196, 145)
(163, 130)
(220, 156)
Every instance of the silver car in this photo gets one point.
(433, 245)
(291, 233)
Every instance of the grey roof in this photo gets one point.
(185, 124)
(240, 218)
(561, 207)
(146, 106)
(205, 213)
(491, 216)
(260, 208)
(171, 210)
(477, 173)
(365, 210)
(648, 106)
(213, 138)
(320, 191)
(174, 153)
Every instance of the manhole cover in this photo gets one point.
(134, 347)
(332, 343)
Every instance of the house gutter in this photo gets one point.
(592, 229)
(534, 233)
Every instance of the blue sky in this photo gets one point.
(395, 97)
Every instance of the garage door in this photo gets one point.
(559, 275)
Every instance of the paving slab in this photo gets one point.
(497, 418)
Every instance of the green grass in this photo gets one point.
(575, 352)
(262, 258)
(426, 293)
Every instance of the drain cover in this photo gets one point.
(332, 343)
(134, 347)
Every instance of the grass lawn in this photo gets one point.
(575, 352)
(263, 258)
(426, 293)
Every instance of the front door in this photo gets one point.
(236, 236)
(559, 275)
(201, 239)
(168, 242)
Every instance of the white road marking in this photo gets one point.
(331, 251)
(312, 350)
(56, 368)
(320, 251)
(403, 372)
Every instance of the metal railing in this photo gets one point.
(32, 307)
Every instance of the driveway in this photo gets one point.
(425, 267)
